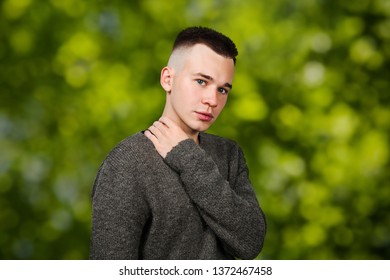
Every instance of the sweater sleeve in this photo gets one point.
(119, 213)
(229, 208)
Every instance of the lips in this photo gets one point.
(204, 116)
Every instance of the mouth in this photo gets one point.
(204, 116)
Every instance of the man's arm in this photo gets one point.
(230, 209)
(119, 213)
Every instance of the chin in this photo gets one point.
(200, 128)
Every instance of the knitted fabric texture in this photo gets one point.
(197, 203)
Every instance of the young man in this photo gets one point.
(173, 191)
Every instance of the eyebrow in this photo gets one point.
(207, 77)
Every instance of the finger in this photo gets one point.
(149, 134)
(166, 121)
(154, 131)
(161, 128)
(159, 125)
(171, 125)
(152, 138)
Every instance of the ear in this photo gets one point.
(166, 78)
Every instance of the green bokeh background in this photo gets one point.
(310, 108)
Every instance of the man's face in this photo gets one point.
(199, 88)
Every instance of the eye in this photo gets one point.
(201, 82)
(223, 90)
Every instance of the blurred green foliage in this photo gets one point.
(310, 107)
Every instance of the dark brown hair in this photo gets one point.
(215, 40)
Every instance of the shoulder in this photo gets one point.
(129, 150)
(217, 141)
(226, 153)
(220, 145)
(121, 166)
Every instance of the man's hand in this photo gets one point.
(165, 135)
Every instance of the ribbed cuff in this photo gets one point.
(182, 155)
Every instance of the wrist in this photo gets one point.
(181, 154)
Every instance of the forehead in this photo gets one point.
(201, 58)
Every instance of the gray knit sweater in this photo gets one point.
(197, 203)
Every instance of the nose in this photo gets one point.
(209, 97)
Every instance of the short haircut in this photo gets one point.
(215, 40)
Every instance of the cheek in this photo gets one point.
(221, 105)
(183, 91)
(191, 95)
(222, 101)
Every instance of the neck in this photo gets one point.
(194, 135)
